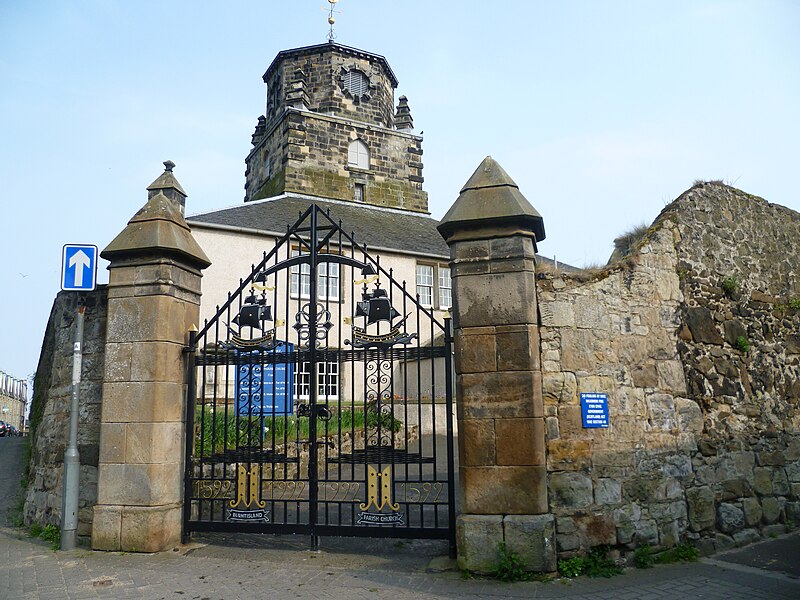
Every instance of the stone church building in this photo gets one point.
(331, 135)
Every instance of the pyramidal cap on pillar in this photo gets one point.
(490, 205)
(168, 185)
(159, 226)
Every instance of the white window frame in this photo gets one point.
(358, 155)
(434, 286)
(426, 283)
(328, 380)
(328, 281)
(445, 287)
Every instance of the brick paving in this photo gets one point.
(245, 567)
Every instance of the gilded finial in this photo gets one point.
(331, 19)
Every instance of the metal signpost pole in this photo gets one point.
(79, 274)
(72, 463)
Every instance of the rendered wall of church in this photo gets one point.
(233, 253)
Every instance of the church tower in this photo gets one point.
(332, 130)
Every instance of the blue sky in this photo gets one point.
(602, 112)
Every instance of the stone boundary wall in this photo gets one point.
(52, 395)
(704, 442)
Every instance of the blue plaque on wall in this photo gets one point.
(594, 410)
(265, 384)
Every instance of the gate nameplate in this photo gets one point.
(379, 484)
(247, 483)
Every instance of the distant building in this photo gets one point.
(13, 400)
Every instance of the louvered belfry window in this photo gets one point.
(356, 83)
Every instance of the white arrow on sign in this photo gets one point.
(80, 261)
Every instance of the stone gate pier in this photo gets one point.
(153, 300)
(492, 232)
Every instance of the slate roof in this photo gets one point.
(377, 227)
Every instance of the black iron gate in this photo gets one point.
(321, 398)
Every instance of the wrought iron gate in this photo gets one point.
(321, 398)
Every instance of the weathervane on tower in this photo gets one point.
(332, 19)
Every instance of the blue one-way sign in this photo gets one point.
(79, 267)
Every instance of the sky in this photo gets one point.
(601, 112)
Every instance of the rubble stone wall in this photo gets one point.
(695, 337)
(52, 396)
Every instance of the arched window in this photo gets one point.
(358, 155)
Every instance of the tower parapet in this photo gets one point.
(329, 130)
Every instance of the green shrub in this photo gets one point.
(598, 564)
(48, 533)
(643, 557)
(27, 450)
(51, 534)
(509, 565)
(742, 345)
(794, 303)
(15, 512)
(730, 285)
(571, 567)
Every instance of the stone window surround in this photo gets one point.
(363, 97)
(359, 192)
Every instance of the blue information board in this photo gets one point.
(594, 410)
(265, 386)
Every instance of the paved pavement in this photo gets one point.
(226, 567)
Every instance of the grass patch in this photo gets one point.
(679, 553)
(220, 431)
(623, 245)
(794, 303)
(702, 182)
